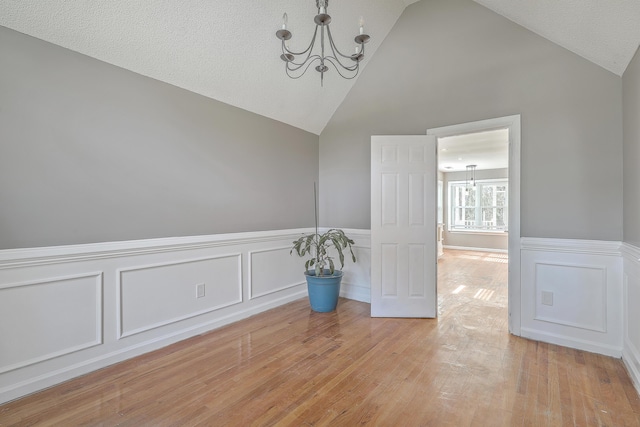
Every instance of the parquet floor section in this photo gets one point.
(293, 367)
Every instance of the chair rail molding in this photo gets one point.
(576, 246)
(30, 257)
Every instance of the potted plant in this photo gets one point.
(323, 283)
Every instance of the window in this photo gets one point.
(479, 207)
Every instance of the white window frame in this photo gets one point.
(440, 219)
(477, 227)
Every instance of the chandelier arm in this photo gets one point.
(347, 67)
(335, 49)
(285, 49)
(338, 59)
(328, 59)
(294, 66)
(309, 51)
(288, 70)
(344, 67)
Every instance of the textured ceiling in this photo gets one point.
(486, 150)
(606, 32)
(224, 49)
(227, 50)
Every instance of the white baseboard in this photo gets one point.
(355, 292)
(631, 360)
(631, 301)
(468, 248)
(572, 342)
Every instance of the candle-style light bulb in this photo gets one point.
(323, 6)
(357, 49)
(285, 20)
(361, 23)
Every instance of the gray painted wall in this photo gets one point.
(473, 240)
(90, 152)
(631, 99)
(453, 61)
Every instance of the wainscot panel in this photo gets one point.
(356, 282)
(572, 293)
(48, 319)
(69, 310)
(274, 262)
(156, 295)
(631, 351)
(556, 288)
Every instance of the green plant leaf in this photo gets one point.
(317, 248)
(338, 246)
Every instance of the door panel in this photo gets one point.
(403, 226)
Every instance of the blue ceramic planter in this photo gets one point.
(323, 290)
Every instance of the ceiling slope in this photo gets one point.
(603, 31)
(227, 49)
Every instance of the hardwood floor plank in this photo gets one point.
(293, 367)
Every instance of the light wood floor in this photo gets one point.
(293, 367)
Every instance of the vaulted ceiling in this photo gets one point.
(227, 49)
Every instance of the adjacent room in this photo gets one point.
(473, 226)
(157, 160)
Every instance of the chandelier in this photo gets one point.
(470, 176)
(297, 63)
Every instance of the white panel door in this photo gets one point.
(403, 226)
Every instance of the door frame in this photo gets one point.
(512, 123)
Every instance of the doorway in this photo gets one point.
(467, 176)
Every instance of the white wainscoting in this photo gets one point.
(572, 293)
(274, 262)
(69, 310)
(631, 350)
(356, 282)
(151, 296)
(69, 319)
